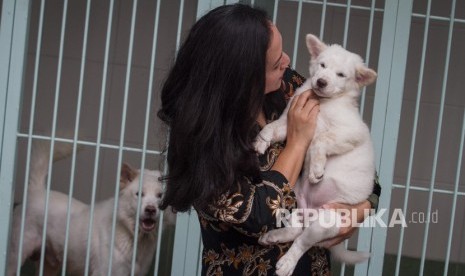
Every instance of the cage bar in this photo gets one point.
(438, 136)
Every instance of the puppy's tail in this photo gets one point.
(340, 253)
(40, 158)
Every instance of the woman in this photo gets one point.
(226, 83)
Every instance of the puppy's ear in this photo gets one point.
(365, 76)
(127, 175)
(314, 45)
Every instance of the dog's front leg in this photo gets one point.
(293, 228)
(281, 235)
(273, 132)
(343, 139)
(329, 143)
(318, 159)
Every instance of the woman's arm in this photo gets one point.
(253, 209)
(363, 210)
(301, 125)
(359, 211)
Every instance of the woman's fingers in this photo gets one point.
(304, 103)
(312, 107)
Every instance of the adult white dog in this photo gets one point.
(80, 214)
(339, 166)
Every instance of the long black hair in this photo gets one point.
(210, 100)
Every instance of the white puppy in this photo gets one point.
(80, 213)
(339, 166)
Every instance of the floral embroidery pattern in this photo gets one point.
(291, 81)
(284, 200)
(253, 259)
(269, 157)
(227, 206)
(320, 264)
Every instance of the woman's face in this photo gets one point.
(276, 61)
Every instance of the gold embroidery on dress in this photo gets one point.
(270, 155)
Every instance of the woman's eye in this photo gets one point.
(341, 75)
(322, 65)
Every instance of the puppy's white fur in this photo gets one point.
(80, 214)
(339, 165)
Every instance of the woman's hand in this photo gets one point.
(301, 123)
(359, 211)
(301, 119)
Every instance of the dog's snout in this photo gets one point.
(321, 83)
(151, 210)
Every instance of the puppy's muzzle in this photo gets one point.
(148, 221)
(151, 211)
(321, 83)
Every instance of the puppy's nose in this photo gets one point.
(321, 83)
(150, 210)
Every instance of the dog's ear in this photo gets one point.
(365, 76)
(128, 174)
(314, 45)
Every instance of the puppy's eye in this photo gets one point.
(159, 195)
(137, 194)
(322, 65)
(341, 75)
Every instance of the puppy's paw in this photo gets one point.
(268, 239)
(261, 145)
(264, 139)
(285, 266)
(317, 171)
(314, 177)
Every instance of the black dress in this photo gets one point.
(232, 225)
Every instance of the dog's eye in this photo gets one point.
(137, 194)
(341, 75)
(322, 65)
(159, 195)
